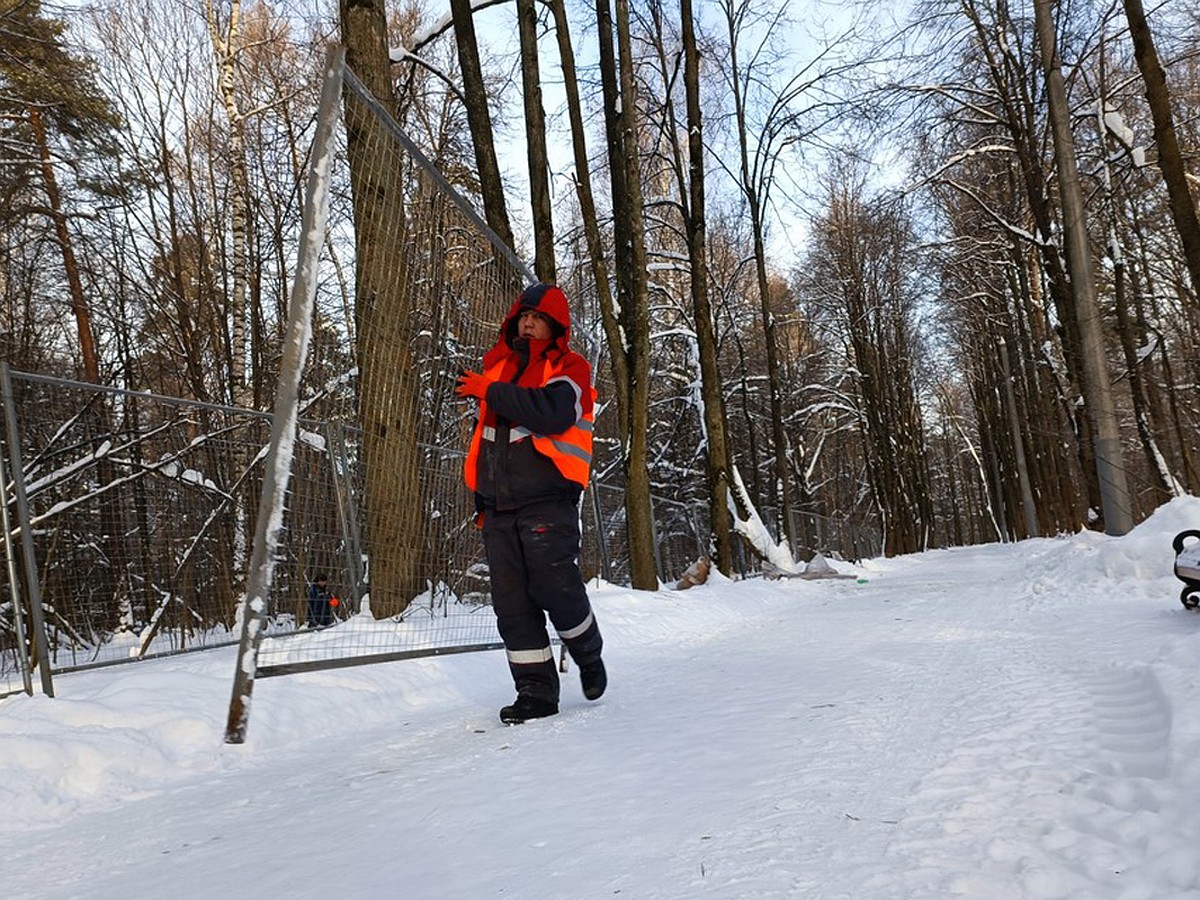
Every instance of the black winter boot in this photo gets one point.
(525, 708)
(594, 679)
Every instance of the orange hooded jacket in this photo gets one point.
(528, 405)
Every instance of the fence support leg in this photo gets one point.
(14, 583)
(40, 646)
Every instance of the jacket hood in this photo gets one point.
(547, 299)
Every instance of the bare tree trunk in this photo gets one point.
(1116, 503)
(1168, 407)
(387, 383)
(1164, 486)
(1170, 159)
(716, 439)
(779, 493)
(860, 256)
(239, 201)
(632, 394)
(535, 134)
(619, 197)
(239, 310)
(491, 188)
(1046, 420)
(621, 111)
(591, 224)
(1014, 424)
(1011, 79)
(79, 303)
(99, 414)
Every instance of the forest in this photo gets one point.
(884, 278)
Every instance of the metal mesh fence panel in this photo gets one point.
(141, 508)
(430, 292)
(137, 509)
(14, 656)
(680, 535)
(12, 679)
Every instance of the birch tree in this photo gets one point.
(225, 30)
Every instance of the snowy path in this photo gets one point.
(960, 726)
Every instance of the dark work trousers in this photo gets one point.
(533, 560)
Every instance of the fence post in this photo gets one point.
(10, 555)
(39, 645)
(278, 464)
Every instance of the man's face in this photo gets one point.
(533, 325)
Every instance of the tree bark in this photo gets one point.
(491, 187)
(79, 303)
(779, 492)
(535, 142)
(387, 384)
(591, 224)
(716, 440)
(1170, 159)
(99, 414)
(1014, 423)
(239, 201)
(621, 109)
(1116, 504)
(1011, 78)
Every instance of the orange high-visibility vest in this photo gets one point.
(570, 451)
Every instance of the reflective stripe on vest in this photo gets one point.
(520, 432)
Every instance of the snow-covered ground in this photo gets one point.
(1001, 722)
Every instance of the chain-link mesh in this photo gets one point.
(141, 511)
(137, 509)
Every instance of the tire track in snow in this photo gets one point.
(1124, 829)
(1007, 797)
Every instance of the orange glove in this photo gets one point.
(334, 601)
(472, 384)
